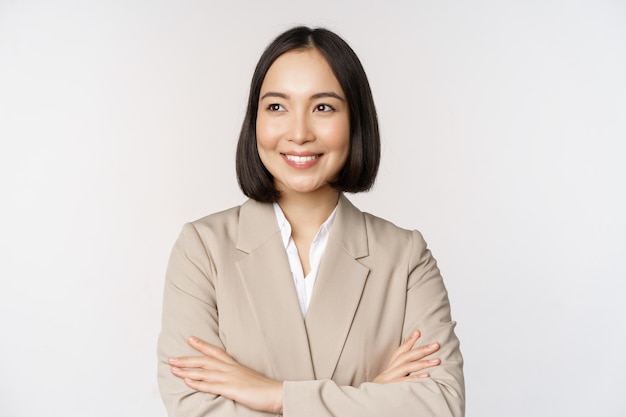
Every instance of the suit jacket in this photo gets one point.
(229, 283)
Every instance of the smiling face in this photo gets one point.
(303, 123)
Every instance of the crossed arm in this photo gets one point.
(216, 372)
(204, 379)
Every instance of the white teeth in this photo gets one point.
(301, 159)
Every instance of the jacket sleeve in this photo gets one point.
(189, 308)
(441, 395)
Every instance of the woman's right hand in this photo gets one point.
(406, 362)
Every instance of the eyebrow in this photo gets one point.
(313, 97)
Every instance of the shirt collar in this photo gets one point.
(285, 227)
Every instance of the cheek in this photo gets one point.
(338, 136)
(267, 132)
(260, 130)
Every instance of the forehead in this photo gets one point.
(300, 71)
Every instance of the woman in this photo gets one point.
(237, 340)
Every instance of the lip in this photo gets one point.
(301, 160)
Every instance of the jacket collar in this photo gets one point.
(300, 348)
(257, 225)
(349, 229)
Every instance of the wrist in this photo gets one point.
(278, 397)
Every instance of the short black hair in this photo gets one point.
(359, 172)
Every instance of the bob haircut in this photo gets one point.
(359, 172)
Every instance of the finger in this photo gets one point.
(405, 346)
(205, 362)
(198, 385)
(422, 351)
(416, 377)
(208, 349)
(397, 375)
(411, 378)
(197, 374)
(203, 386)
(400, 372)
(412, 367)
(410, 341)
(187, 373)
(415, 354)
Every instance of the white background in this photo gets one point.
(504, 131)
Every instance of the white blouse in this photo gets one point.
(304, 285)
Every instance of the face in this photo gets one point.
(303, 124)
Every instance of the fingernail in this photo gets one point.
(193, 339)
(172, 359)
(423, 376)
(433, 360)
(433, 345)
(175, 369)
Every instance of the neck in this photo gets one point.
(308, 210)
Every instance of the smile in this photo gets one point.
(301, 159)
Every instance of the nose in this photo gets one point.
(300, 130)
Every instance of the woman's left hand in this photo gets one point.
(406, 361)
(216, 372)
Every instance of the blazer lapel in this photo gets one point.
(270, 292)
(338, 288)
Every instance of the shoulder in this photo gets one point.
(219, 226)
(245, 226)
(382, 229)
(388, 241)
(220, 219)
(380, 225)
(381, 235)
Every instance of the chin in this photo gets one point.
(304, 188)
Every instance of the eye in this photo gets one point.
(324, 108)
(275, 107)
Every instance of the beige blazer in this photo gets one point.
(229, 283)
